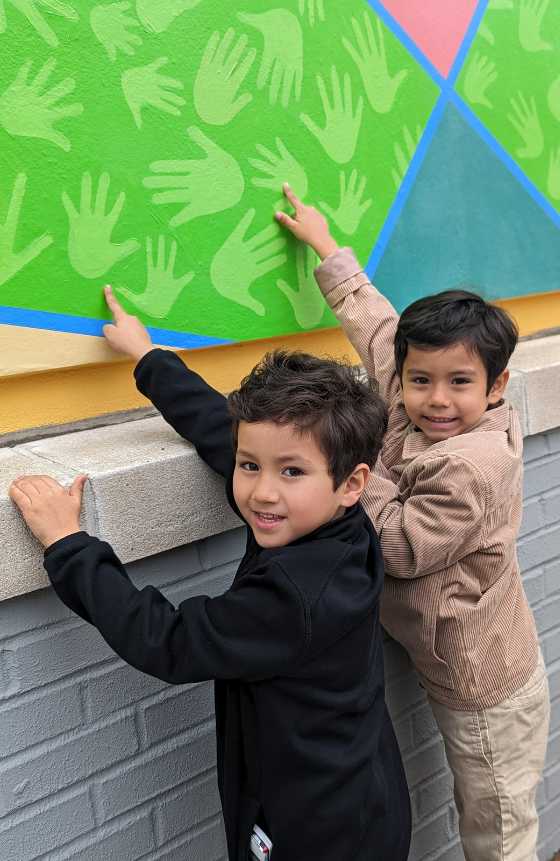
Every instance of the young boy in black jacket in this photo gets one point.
(306, 749)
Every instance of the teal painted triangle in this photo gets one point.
(467, 221)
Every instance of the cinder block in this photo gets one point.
(535, 447)
(552, 784)
(554, 680)
(541, 476)
(404, 694)
(425, 763)
(155, 772)
(534, 585)
(403, 731)
(178, 712)
(187, 809)
(539, 548)
(9, 682)
(33, 719)
(113, 688)
(533, 517)
(454, 852)
(59, 651)
(397, 662)
(129, 839)
(550, 644)
(210, 583)
(206, 843)
(220, 549)
(549, 819)
(553, 439)
(552, 577)
(551, 506)
(547, 615)
(46, 827)
(433, 834)
(47, 771)
(434, 794)
(25, 613)
(424, 726)
(126, 463)
(165, 568)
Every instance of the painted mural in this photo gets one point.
(144, 144)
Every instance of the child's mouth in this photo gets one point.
(435, 420)
(265, 520)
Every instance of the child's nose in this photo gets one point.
(439, 396)
(265, 490)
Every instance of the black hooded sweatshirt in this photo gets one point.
(304, 741)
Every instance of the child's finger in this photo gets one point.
(114, 305)
(17, 495)
(286, 220)
(77, 487)
(292, 197)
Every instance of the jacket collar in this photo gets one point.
(494, 419)
(346, 529)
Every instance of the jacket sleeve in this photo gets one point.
(367, 318)
(442, 521)
(193, 408)
(255, 630)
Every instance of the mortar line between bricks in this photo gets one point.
(549, 527)
(185, 838)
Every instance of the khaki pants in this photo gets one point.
(497, 757)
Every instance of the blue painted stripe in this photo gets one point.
(89, 326)
(506, 159)
(406, 186)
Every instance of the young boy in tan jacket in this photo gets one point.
(446, 501)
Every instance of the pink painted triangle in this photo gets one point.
(438, 27)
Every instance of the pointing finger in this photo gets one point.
(114, 305)
(292, 197)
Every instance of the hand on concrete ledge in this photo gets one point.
(50, 510)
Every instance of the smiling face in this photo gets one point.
(282, 484)
(444, 391)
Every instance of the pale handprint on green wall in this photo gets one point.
(481, 74)
(241, 261)
(206, 185)
(163, 288)
(221, 74)
(11, 261)
(531, 15)
(404, 154)
(553, 177)
(306, 300)
(29, 109)
(494, 5)
(553, 99)
(30, 9)
(525, 120)
(342, 122)
(351, 206)
(157, 15)
(370, 57)
(145, 87)
(278, 169)
(91, 250)
(114, 26)
(282, 60)
(314, 8)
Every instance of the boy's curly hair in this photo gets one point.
(320, 396)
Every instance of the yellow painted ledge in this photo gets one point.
(36, 399)
(31, 396)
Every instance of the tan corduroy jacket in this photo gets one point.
(447, 515)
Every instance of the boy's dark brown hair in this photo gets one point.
(458, 316)
(322, 397)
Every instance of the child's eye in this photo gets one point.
(292, 471)
(461, 381)
(420, 381)
(248, 466)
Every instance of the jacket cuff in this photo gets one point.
(145, 360)
(69, 543)
(335, 269)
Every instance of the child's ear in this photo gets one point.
(354, 485)
(496, 393)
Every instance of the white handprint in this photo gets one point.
(306, 300)
(553, 179)
(350, 209)
(29, 9)
(12, 261)
(313, 6)
(282, 60)
(531, 14)
(370, 57)
(481, 74)
(112, 25)
(278, 169)
(162, 287)
(525, 121)
(157, 15)
(222, 71)
(146, 87)
(342, 125)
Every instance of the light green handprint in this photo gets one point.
(157, 15)
(306, 300)
(282, 59)
(221, 74)
(497, 5)
(240, 262)
(12, 261)
(29, 9)
(531, 14)
(162, 287)
(91, 251)
(342, 125)
(205, 185)
(29, 110)
(553, 98)
(553, 180)
(369, 56)
(351, 208)
(112, 25)
(146, 87)
(313, 6)
(278, 169)
(526, 123)
(481, 74)
(403, 155)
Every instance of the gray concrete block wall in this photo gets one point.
(99, 762)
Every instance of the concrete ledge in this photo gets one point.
(149, 491)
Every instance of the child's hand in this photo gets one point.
(127, 334)
(307, 224)
(50, 510)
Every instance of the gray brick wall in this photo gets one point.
(99, 762)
